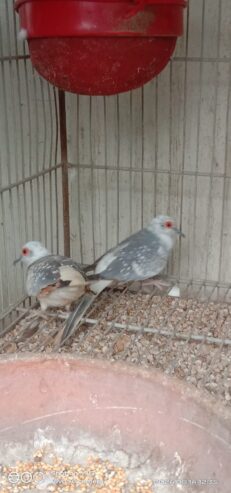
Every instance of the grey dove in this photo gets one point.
(54, 280)
(141, 256)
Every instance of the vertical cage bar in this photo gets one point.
(64, 161)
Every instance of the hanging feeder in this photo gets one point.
(100, 46)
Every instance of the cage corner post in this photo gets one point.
(64, 163)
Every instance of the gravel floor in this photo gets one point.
(164, 336)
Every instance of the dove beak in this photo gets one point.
(17, 260)
(179, 232)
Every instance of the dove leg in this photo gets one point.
(158, 283)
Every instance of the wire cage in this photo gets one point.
(81, 173)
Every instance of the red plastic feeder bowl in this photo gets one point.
(100, 46)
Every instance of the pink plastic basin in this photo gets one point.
(150, 411)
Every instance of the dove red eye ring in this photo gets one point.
(168, 224)
(25, 251)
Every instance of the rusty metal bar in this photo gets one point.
(14, 57)
(65, 166)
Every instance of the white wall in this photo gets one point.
(165, 148)
(29, 186)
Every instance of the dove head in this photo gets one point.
(32, 251)
(165, 228)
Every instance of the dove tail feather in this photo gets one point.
(76, 316)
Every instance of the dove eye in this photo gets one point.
(25, 251)
(168, 224)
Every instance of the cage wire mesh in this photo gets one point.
(164, 148)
